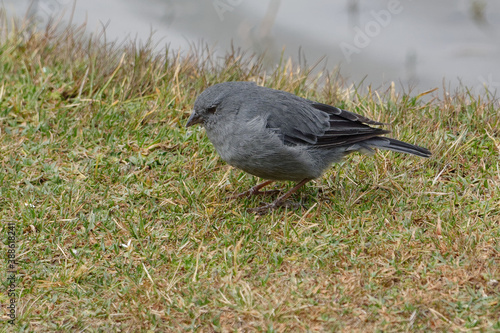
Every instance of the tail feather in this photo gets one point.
(396, 145)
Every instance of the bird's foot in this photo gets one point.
(264, 209)
(250, 193)
(278, 202)
(255, 191)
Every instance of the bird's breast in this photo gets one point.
(261, 152)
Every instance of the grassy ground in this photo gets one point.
(123, 224)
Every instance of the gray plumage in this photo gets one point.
(276, 135)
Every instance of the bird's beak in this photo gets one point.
(193, 119)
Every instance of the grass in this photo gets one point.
(123, 224)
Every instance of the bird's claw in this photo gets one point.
(250, 193)
(264, 208)
(270, 207)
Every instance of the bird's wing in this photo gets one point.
(302, 122)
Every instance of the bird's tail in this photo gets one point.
(396, 145)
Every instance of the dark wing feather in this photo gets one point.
(302, 122)
(344, 114)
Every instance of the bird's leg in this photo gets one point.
(255, 190)
(278, 202)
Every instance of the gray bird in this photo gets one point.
(276, 135)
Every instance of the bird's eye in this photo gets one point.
(212, 109)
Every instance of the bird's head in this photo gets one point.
(205, 106)
(201, 114)
(208, 104)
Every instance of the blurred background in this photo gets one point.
(420, 45)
